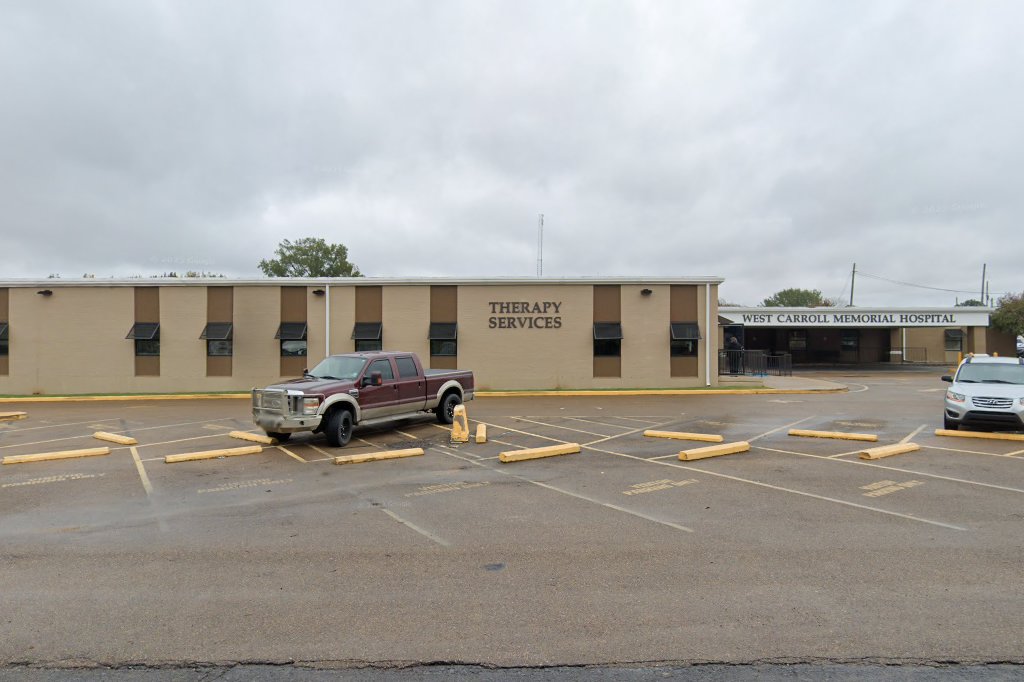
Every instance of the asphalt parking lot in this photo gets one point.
(794, 552)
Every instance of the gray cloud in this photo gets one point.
(774, 145)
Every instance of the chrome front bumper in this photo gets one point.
(276, 411)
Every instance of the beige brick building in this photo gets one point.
(179, 335)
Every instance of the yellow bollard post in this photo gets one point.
(460, 425)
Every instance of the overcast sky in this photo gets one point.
(770, 143)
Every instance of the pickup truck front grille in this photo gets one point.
(993, 403)
(273, 401)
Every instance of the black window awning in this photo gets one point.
(607, 331)
(4, 331)
(443, 331)
(954, 333)
(367, 331)
(144, 331)
(217, 331)
(685, 331)
(291, 331)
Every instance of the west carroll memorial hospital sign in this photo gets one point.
(856, 317)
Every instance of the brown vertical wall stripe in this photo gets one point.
(444, 307)
(220, 304)
(607, 308)
(293, 309)
(147, 309)
(369, 304)
(293, 304)
(220, 307)
(5, 316)
(683, 307)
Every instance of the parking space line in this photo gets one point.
(290, 453)
(548, 486)
(556, 426)
(591, 421)
(15, 429)
(781, 489)
(841, 454)
(913, 433)
(768, 433)
(630, 432)
(425, 533)
(891, 468)
(133, 430)
(970, 452)
(639, 421)
(142, 471)
(509, 428)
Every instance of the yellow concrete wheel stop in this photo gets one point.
(62, 454)
(115, 438)
(841, 435)
(213, 454)
(679, 435)
(378, 456)
(889, 450)
(538, 453)
(980, 434)
(714, 451)
(253, 437)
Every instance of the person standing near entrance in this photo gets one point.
(734, 351)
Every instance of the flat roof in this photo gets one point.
(348, 281)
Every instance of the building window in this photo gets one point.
(4, 339)
(293, 339)
(607, 339)
(218, 336)
(798, 339)
(684, 337)
(368, 336)
(849, 339)
(444, 338)
(147, 338)
(954, 340)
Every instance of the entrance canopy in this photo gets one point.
(857, 317)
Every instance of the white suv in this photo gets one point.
(987, 392)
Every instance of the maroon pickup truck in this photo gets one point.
(358, 388)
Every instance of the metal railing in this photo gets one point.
(754, 363)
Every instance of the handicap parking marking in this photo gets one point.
(58, 478)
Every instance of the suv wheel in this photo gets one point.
(949, 424)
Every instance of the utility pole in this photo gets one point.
(984, 266)
(540, 246)
(853, 280)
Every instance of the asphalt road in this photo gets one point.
(796, 553)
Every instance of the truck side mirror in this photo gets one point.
(947, 378)
(374, 379)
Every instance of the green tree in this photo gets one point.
(1009, 315)
(797, 298)
(309, 257)
(971, 302)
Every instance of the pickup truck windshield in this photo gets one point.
(338, 368)
(992, 374)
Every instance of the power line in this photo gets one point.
(923, 286)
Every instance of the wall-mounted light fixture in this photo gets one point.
(45, 292)
(646, 292)
(318, 292)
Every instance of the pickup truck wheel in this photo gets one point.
(339, 428)
(279, 437)
(446, 410)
